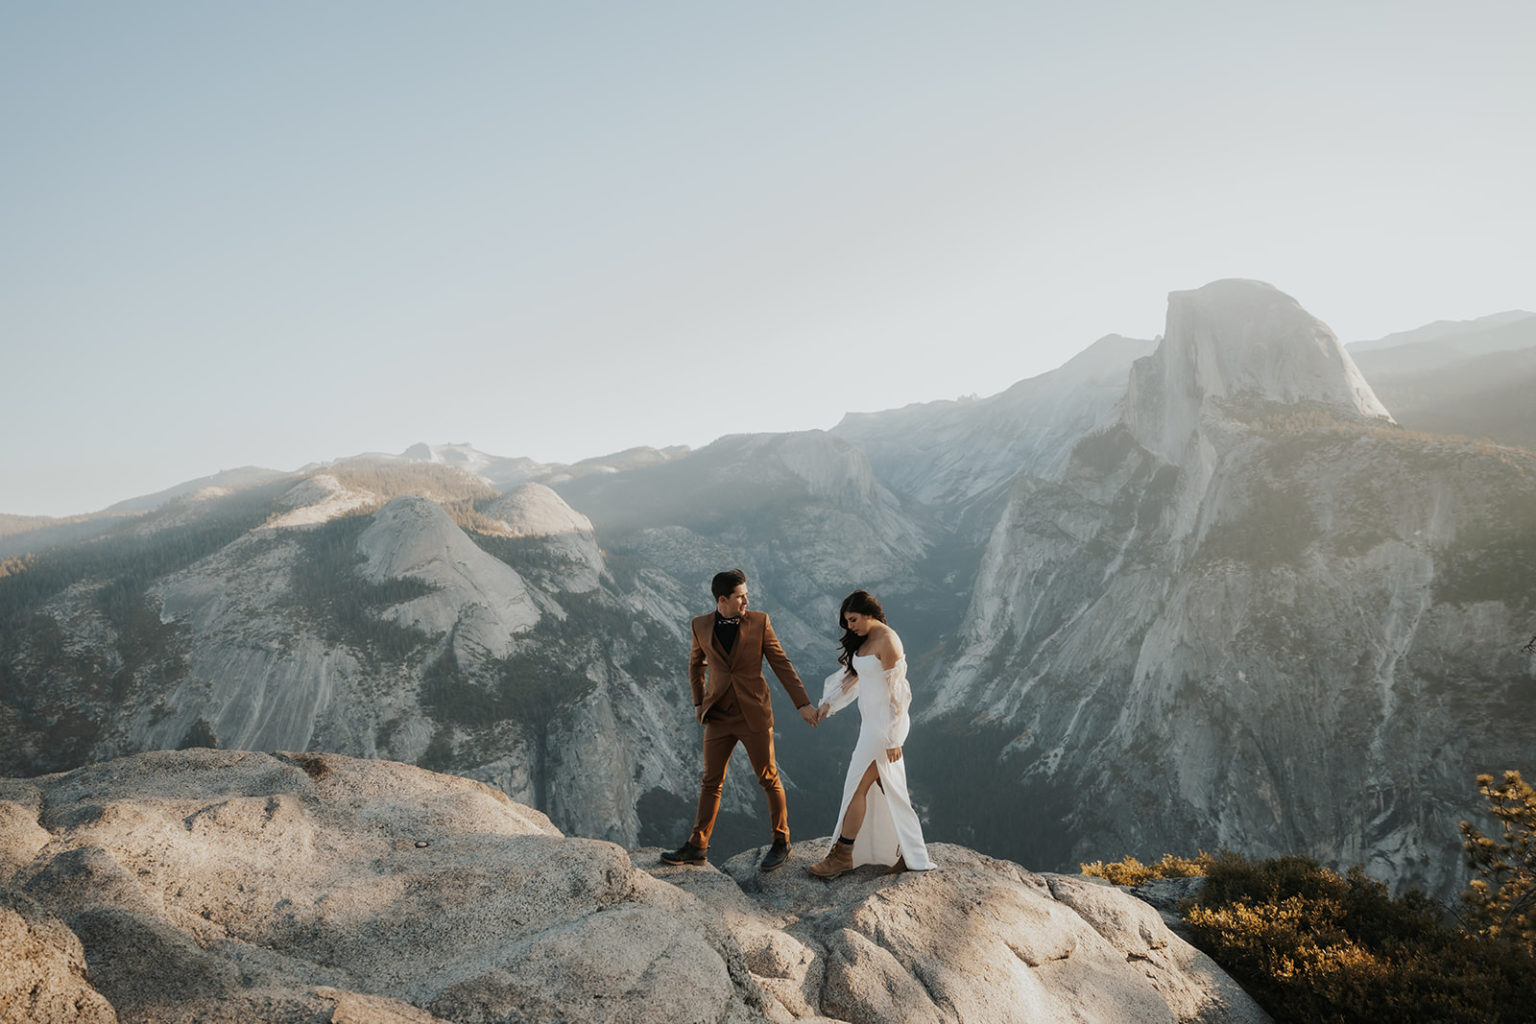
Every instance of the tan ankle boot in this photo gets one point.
(898, 868)
(837, 860)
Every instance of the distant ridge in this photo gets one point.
(230, 479)
(1472, 379)
(1443, 329)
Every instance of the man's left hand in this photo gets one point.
(808, 712)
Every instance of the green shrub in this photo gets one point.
(1314, 946)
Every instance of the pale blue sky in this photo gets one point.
(278, 233)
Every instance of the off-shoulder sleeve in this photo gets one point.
(901, 700)
(833, 692)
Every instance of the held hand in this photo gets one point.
(811, 715)
(823, 712)
(893, 754)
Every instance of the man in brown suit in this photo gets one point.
(731, 700)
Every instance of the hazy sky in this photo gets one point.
(276, 233)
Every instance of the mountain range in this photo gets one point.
(1241, 586)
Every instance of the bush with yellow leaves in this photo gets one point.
(1130, 871)
(1502, 900)
(1314, 947)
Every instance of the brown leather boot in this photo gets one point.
(837, 860)
(900, 867)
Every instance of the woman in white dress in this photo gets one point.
(876, 824)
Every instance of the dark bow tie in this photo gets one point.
(723, 621)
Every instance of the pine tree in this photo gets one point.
(1503, 897)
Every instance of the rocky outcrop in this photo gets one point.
(228, 887)
(536, 512)
(1239, 341)
(43, 977)
(223, 886)
(469, 590)
(318, 499)
(976, 940)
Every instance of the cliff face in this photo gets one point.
(945, 456)
(1254, 615)
(1237, 340)
(217, 886)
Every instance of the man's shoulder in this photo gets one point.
(705, 621)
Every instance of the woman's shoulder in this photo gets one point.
(886, 642)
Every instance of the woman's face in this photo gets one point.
(858, 622)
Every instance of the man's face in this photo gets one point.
(734, 603)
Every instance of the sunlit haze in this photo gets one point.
(276, 233)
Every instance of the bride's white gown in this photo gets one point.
(890, 828)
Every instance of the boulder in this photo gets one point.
(44, 977)
(977, 940)
(237, 886)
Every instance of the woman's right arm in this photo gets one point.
(840, 689)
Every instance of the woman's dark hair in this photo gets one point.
(861, 602)
(725, 583)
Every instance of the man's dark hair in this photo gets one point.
(726, 582)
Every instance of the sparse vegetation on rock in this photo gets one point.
(1316, 947)
(1131, 872)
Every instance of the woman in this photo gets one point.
(876, 824)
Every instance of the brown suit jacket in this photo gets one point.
(711, 669)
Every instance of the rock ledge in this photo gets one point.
(211, 886)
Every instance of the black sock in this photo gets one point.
(845, 841)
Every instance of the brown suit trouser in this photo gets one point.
(724, 727)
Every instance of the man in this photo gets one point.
(731, 700)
